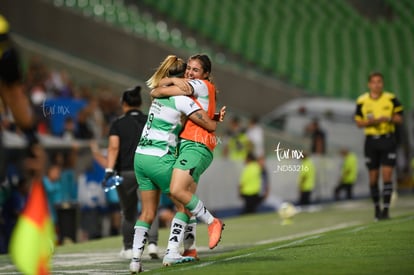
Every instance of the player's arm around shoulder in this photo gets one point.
(172, 87)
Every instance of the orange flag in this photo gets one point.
(32, 242)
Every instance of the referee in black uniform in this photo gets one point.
(124, 136)
(378, 112)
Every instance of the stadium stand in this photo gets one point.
(324, 46)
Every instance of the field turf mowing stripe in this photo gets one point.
(377, 248)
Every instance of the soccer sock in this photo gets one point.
(387, 193)
(140, 239)
(178, 225)
(190, 234)
(197, 208)
(375, 196)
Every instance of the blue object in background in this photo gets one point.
(58, 109)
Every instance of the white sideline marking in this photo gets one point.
(248, 254)
(355, 230)
(295, 242)
(313, 232)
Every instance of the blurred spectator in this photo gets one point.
(112, 198)
(318, 137)
(307, 177)
(349, 173)
(92, 201)
(114, 210)
(53, 190)
(59, 84)
(256, 136)
(11, 210)
(265, 186)
(96, 118)
(69, 129)
(250, 184)
(238, 144)
(83, 129)
(69, 187)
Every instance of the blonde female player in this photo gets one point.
(155, 153)
(195, 156)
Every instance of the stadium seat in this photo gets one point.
(325, 46)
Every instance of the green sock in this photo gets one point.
(142, 224)
(198, 209)
(193, 203)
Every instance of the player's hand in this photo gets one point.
(384, 119)
(109, 173)
(373, 122)
(183, 85)
(222, 113)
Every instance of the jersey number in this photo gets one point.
(144, 139)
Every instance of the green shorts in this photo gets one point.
(195, 157)
(154, 173)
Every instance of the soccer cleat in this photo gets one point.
(135, 266)
(153, 251)
(126, 254)
(191, 253)
(214, 232)
(170, 260)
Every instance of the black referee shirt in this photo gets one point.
(128, 128)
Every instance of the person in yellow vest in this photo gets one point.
(307, 177)
(349, 174)
(379, 112)
(238, 144)
(251, 184)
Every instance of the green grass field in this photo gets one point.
(336, 239)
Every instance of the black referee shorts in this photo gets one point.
(380, 150)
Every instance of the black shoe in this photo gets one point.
(385, 215)
(378, 214)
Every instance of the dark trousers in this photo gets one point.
(305, 198)
(344, 187)
(128, 199)
(251, 202)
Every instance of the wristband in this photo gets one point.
(109, 170)
(216, 117)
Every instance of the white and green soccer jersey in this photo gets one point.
(200, 92)
(164, 124)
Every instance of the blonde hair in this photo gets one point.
(172, 66)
